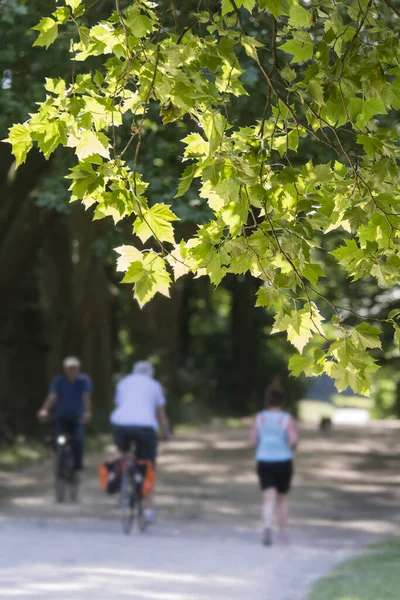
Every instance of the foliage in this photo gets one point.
(373, 576)
(331, 75)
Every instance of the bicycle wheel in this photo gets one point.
(142, 521)
(60, 484)
(127, 500)
(73, 488)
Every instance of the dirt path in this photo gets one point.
(206, 543)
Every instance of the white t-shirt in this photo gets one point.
(137, 398)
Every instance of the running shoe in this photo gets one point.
(283, 538)
(267, 537)
(149, 515)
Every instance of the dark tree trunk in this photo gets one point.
(245, 348)
(78, 300)
(155, 334)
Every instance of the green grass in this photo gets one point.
(26, 451)
(373, 576)
(353, 401)
(22, 453)
(312, 411)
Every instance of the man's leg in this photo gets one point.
(79, 437)
(148, 452)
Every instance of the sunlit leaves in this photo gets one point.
(300, 325)
(73, 3)
(147, 272)
(319, 159)
(139, 24)
(48, 32)
(156, 222)
(21, 141)
(88, 143)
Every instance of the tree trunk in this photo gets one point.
(244, 344)
(155, 334)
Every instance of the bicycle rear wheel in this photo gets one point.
(142, 520)
(127, 500)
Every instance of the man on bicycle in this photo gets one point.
(70, 396)
(138, 416)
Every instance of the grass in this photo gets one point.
(26, 451)
(21, 453)
(373, 576)
(353, 401)
(312, 411)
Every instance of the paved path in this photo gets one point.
(206, 545)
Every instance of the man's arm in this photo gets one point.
(47, 405)
(163, 421)
(87, 403)
(87, 399)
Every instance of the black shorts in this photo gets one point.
(276, 475)
(145, 438)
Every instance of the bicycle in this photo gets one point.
(130, 501)
(65, 476)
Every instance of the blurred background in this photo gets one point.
(60, 293)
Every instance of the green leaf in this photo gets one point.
(299, 326)
(313, 272)
(248, 4)
(288, 74)
(227, 7)
(366, 336)
(299, 16)
(276, 7)
(385, 171)
(140, 25)
(150, 276)
(267, 295)
(73, 3)
(301, 47)
(48, 32)
(370, 108)
(156, 222)
(347, 376)
(186, 180)
(89, 143)
(196, 145)
(316, 92)
(20, 138)
(299, 364)
(127, 255)
(214, 126)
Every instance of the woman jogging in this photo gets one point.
(275, 434)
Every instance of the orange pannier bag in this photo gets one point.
(109, 475)
(149, 478)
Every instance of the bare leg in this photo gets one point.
(283, 511)
(269, 503)
(268, 509)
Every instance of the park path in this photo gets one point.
(206, 545)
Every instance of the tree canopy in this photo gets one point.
(311, 178)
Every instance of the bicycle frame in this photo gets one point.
(130, 495)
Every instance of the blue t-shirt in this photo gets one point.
(69, 402)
